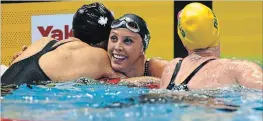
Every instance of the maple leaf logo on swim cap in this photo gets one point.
(103, 20)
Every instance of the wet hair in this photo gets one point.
(91, 23)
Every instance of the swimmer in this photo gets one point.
(198, 29)
(83, 55)
(128, 41)
(127, 45)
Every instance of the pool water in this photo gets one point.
(99, 102)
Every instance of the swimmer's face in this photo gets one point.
(124, 49)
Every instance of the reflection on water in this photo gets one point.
(98, 102)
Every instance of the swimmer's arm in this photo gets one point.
(24, 47)
(156, 67)
(146, 81)
(249, 74)
(111, 74)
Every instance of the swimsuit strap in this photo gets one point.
(146, 66)
(195, 71)
(176, 70)
(49, 45)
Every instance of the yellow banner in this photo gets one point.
(240, 29)
(240, 25)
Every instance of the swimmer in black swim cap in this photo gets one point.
(91, 24)
(129, 38)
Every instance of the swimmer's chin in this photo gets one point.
(117, 67)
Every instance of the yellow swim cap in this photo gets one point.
(198, 27)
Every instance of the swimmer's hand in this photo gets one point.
(146, 81)
(18, 54)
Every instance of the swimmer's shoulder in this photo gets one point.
(47, 38)
(38, 45)
(242, 63)
(171, 65)
(237, 65)
(42, 41)
(231, 62)
(157, 60)
(156, 66)
(174, 61)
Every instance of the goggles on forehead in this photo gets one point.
(127, 23)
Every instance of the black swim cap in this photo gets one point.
(134, 23)
(91, 23)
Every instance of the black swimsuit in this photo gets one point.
(146, 66)
(183, 85)
(28, 70)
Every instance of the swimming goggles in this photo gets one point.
(129, 23)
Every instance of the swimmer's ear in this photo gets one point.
(142, 51)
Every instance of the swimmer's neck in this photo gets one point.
(202, 54)
(138, 67)
(209, 52)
